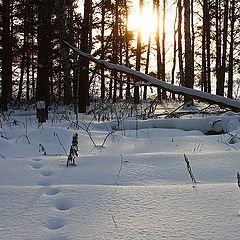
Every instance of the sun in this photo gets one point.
(147, 22)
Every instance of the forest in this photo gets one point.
(189, 43)
(119, 119)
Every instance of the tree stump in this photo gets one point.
(41, 111)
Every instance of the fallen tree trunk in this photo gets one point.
(151, 81)
(226, 123)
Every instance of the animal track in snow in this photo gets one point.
(44, 182)
(55, 223)
(36, 159)
(46, 173)
(53, 191)
(36, 165)
(60, 237)
(63, 204)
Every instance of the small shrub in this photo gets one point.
(73, 151)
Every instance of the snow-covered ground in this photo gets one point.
(134, 187)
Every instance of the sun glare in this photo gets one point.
(147, 22)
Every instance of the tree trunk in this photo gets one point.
(148, 57)
(180, 51)
(28, 46)
(204, 68)
(120, 59)
(73, 40)
(32, 54)
(60, 6)
(159, 59)
(174, 52)
(231, 49)
(44, 50)
(6, 94)
(20, 85)
(138, 54)
(128, 93)
(22, 68)
(163, 75)
(24, 51)
(102, 48)
(208, 46)
(115, 49)
(147, 65)
(188, 48)
(219, 85)
(28, 62)
(193, 37)
(84, 63)
(221, 79)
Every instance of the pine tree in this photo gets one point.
(60, 6)
(84, 63)
(138, 54)
(44, 50)
(188, 81)
(7, 55)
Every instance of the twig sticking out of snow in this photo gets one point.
(55, 134)
(109, 134)
(190, 170)
(238, 180)
(136, 128)
(238, 183)
(114, 221)
(25, 136)
(2, 136)
(86, 128)
(121, 164)
(172, 114)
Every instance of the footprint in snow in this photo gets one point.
(63, 204)
(46, 173)
(55, 223)
(36, 165)
(60, 237)
(44, 182)
(53, 191)
(36, 159)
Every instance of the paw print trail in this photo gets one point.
(54, 223)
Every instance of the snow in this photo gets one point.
(205, 125)
(40, 105)
(134, 187)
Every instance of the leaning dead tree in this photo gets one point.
(151, 81)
